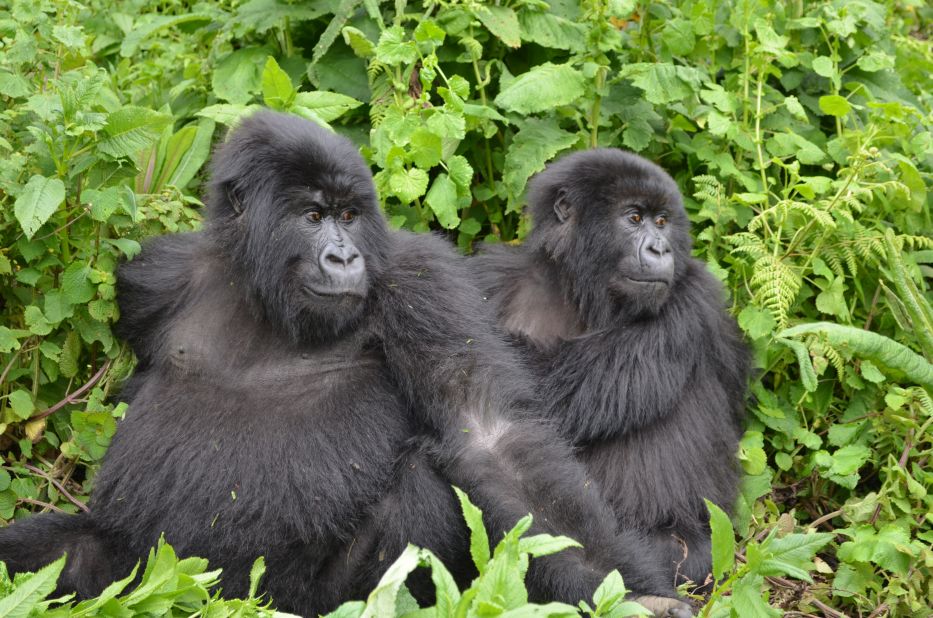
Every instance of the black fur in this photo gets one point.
(322, 432)
(650, 389)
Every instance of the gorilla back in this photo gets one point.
(637, 360)
(309, 383)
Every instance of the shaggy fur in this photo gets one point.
(651, 389)
(322, 433)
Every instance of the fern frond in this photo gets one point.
(749, 244)
(776, 286)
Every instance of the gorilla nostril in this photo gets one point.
(336, 259)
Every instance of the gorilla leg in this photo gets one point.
(94, 560)
(420, 508)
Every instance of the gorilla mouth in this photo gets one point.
(332, 294)
(648, 280)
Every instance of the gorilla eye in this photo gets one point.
(348, 215)
(661, 221)
(314, 216)
(635, 218)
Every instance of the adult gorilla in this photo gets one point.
(301, 369)
(640, 365)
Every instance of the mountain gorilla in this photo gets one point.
(309, 383)
(639, 364)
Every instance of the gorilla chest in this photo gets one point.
(298, 443)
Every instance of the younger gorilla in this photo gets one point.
(640, 365)
(309, 383)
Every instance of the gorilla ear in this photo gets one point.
(562, 205)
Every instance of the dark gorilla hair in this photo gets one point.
(638, 362)
(309, 385)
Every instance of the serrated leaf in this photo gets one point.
(38, 201)
(36, 321)
(723, 540)
(663, 82)
(277, 90)
(327, 105)
(542, 88)
(426, 148)
(358, 42)
(823, 65)
(536, 143)
(75, 284)
(479, 540)
(146, 25)
(502, 22)
(131, 129)
(461, 172)
(393, 49)
(68, 360)
(227, 114)
(407, 185)
(30, 590)
(793, 554)
(550, 30)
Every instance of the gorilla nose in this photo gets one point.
(656, 258)
(342, 264)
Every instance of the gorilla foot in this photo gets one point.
(665, 607)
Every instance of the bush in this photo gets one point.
(800, 134)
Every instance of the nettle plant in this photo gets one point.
(799, 134)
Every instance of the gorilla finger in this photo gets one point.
(665, 607)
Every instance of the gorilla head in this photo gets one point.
(614, 226)
(294, 207)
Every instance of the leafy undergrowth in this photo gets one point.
(169, 586)
(800, 134)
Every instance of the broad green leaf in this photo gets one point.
(748, 599)
(407, 185)
(502, 22)
(131, 129)
(536, 143)
(875, 347)
(790, 144)
(394, 48)
(190, 161)
(277, 90)
(723, 540)
(460, 172)
(442, 198)
(327, 105)
(255, 575)
(793, 554)
(663, 82)
(835, 105)
(263, 15)
(30, 590)
(548, 610)
(479, 541)
(36, 322)
(350, 609)
(75, 284)
(381, 601)
(875, 60)
(239, 75)
(823, 65)
(550, 30)
(21, 403)
(38, 201)
(13, 85)
(426, 148)
(542, 88)
(228, 114)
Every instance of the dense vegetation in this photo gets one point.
(799, 132)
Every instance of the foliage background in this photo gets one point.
(799, 132)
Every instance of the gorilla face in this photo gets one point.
(615, 227)
(298, 216)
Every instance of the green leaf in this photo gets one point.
(358, 42)
(835, 105)
(327, 105)
(239, 75)
(426, 148)
(75, 283)
(807, 373)
(663, 82)
(536, 143)
(875, 60)
(21, 403)
(479, 541)
(872, 346)
(748, 601)
(502, 22)
(823, 65)
(723, 540)
(38, 201)
(442, 198)
(381, 601)
(545, 544)
(793, 554)
(146, 25)
(277, 90)
(407, 185)
(188, 162)
(36, 321)
(228, 115)
(393, 49)
(542, 88)
(255, 575)
(30, 589)
(550, 30)
(131, 129)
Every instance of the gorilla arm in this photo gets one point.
(441, 345)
